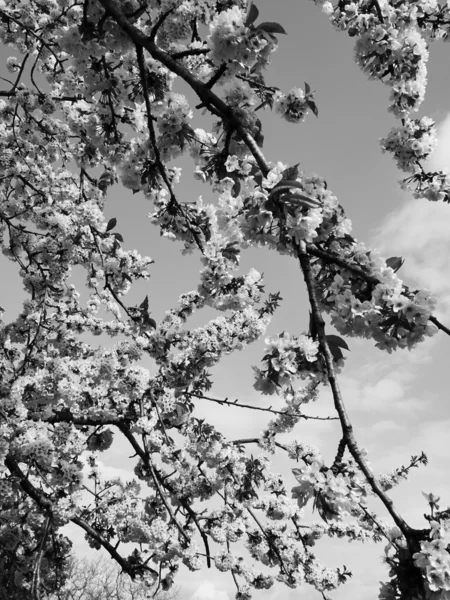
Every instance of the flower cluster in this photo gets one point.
(230, 40)
(292, 106)
(334, 495)
(392, 45)
(411, 143)
(381, 307)
(434, 559)
(288, 357)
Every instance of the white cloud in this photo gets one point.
(440, 158)
(388, 393)
(208, 591)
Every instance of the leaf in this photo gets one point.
(335, 343)
(106, 179)
(325, 510)
(231, 252)
(271, 28)
(307, 89)
(259, 139)
(298, 474)
(395, 262)
(144, 304)
(291, 173)
(269, 37)
(286, 184)
(252, 14)
(313, 106)
(118, 237)
(335, 340)
(111, 224)
(300, 199)
(336, 352)
(149, 321)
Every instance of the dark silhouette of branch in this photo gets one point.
(347, 428)
(260, 408)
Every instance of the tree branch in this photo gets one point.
(260, 408)
(347, 429)
(45, 503)
(208, 98)
(331, 257)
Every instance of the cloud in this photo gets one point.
(386, 393)
(440, 158)
(108, 472)
(208, 591)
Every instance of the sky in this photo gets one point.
(399, 403)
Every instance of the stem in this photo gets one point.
(439, 325)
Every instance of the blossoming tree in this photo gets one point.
(110, 112)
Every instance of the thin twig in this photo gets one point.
(439, 325)
(260, 408)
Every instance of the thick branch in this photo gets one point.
(347, 429)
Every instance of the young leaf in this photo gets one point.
(269, 36)
(307, 89)
(252, 14)
(291, 173)
(313, 106)
(271, 28)
(299, 200)
(111, 224)
(149, 321)
(144, 304)
(336, 352)
(259, 139)
(395, 262)
(118, 237)
(231, 252)
(286, 184)
(337, 341)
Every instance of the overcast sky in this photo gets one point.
(398, 403)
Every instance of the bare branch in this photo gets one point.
(260, 408)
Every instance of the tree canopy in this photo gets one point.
(94, 101)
